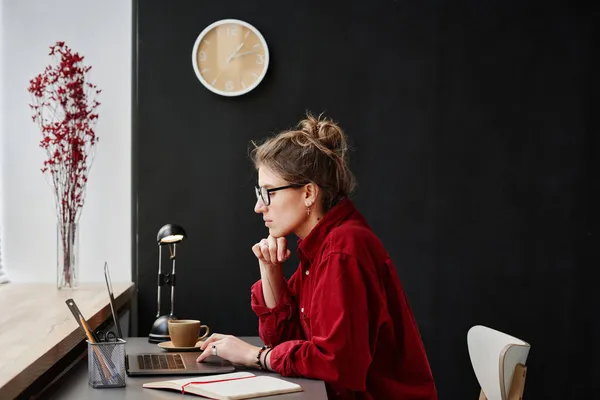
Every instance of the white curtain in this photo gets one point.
(3, 276)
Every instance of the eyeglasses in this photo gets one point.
(264, 194)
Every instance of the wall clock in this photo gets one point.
(230, 57)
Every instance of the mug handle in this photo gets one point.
(206, 333)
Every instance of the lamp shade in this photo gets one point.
(494, 357)
(170, 233)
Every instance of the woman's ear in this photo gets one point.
(311, 191)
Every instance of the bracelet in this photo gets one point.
(258, 357)
(265, 359)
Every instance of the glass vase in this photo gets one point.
(67, 250)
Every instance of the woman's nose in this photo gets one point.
(259, 207)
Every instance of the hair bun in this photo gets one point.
(313, 152)
(329, 135)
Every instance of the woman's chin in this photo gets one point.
(277, 233)
(274, 232)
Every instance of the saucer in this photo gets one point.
(168, 346)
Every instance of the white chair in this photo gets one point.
(498, 360)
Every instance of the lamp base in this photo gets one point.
(160, 329)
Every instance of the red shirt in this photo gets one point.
(344, 318)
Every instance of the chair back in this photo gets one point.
(495, 356)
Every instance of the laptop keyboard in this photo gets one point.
(160, 361)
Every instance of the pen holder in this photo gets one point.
(106, 364)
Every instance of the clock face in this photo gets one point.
(230, 57)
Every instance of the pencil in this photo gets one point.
(107, 373)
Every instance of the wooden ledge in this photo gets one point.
(37, 329)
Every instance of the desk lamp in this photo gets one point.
(169, 235)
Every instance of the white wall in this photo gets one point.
(3, 276)
(101, 31)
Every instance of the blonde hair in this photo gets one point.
(315, 151)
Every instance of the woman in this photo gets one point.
(343, 316)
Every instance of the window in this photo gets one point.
(3, 277)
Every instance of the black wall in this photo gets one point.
(475, 153)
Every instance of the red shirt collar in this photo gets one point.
(310, 245)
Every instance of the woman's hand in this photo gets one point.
(271, 252)
(229, 348)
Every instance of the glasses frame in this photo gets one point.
(267, 201)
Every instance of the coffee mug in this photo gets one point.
(186, 332)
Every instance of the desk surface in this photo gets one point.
(37, 329)
(75, 384)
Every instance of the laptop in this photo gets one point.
(165, 363)
(172, 363)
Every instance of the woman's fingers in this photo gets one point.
(212, 338)
(264, 248)
(257, 252)
(281, 249)
(272, 250)
(230, 348)
(272, 243)
(208, 351)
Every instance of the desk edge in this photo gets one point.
(37, 368)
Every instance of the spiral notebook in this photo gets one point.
(238, 385)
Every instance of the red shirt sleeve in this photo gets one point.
(280, 323)
(338, 352)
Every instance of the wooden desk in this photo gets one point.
(74, 386)
(37, 330)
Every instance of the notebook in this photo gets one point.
(239, 385)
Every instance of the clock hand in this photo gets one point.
(244, 53)
(234, 53)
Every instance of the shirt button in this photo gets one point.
(306, 272)
(302, 309)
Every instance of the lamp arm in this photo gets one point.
(173, 281)
(159, 280)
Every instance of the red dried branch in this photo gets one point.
(64, 107)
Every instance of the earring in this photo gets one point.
(308, 208)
